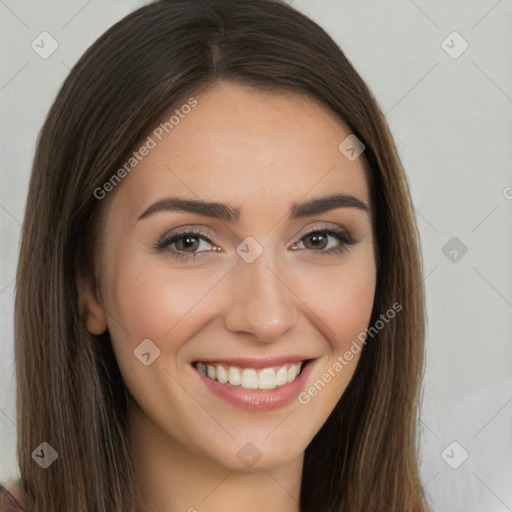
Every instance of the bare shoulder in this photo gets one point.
(9, 499)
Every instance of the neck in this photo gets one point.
(173, 479)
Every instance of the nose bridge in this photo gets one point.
(262, 304)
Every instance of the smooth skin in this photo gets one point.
(259, 152)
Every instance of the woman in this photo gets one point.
(219, 301)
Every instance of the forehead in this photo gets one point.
(247, 147)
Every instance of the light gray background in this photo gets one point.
(451, 119)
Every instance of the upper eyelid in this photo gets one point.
(185, 230)
(200, 233)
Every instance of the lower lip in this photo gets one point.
(258, 400)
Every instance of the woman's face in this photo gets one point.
(221, 254)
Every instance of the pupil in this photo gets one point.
(317, 240)
(188, 242)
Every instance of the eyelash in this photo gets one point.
(170, 238)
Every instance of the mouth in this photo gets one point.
(255, 385)
(248, 378)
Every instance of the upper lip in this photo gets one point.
(255, 362)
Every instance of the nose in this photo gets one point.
(261, 303)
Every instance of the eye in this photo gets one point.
(189, 243)
(186, 243)
(326, 241)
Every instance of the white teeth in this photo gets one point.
(222, 375)
(235, 378)
(211, 372)
(281, 376)
(293, 371)
(250, 378)
(267, 379)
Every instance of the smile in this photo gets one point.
(251, 378)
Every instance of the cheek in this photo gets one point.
(341, 299)
(155, 300)
(353, 308)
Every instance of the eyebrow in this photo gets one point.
(229, 213)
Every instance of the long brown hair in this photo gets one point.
(70, 391)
